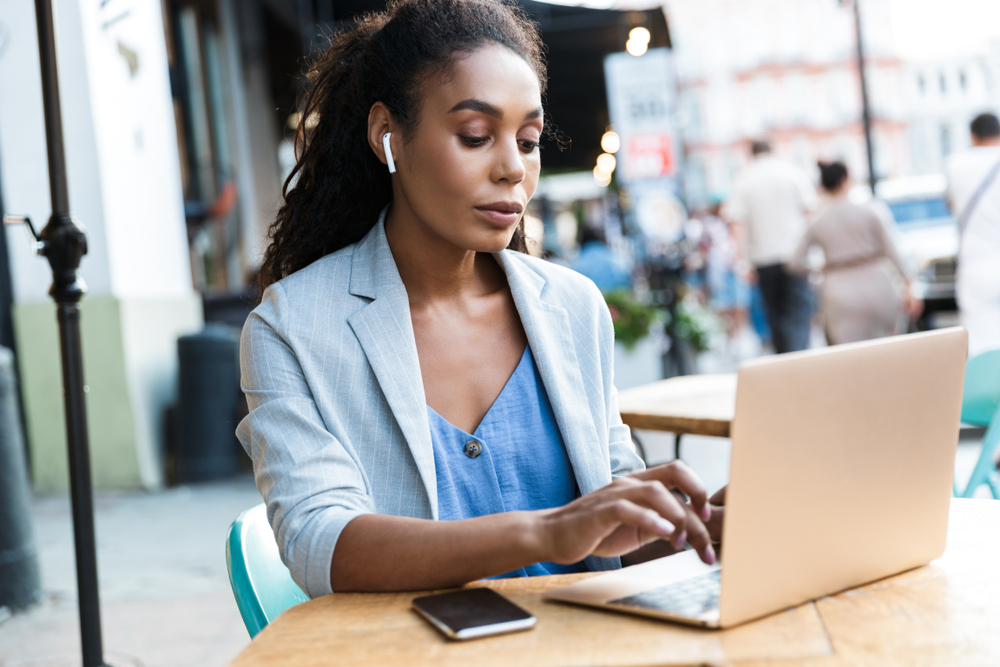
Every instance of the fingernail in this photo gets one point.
(679, 541)
(664, 526)
(710, 555)
(706, 512)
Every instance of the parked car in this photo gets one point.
(927, 235)
(928, 232)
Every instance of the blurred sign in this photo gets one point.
(649, 155)
(641, 101)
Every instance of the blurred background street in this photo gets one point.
(685, 118)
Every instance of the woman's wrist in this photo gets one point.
(534, 535)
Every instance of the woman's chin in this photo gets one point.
(492, 242)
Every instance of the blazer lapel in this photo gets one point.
(385, 331)
(550, 337)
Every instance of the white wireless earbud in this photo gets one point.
(388, 152)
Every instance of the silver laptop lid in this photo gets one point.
(842, 468)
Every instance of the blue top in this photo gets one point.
(516, 460)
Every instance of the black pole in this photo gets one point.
(866, 115)
(63, 243)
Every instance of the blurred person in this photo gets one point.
(596, 261)
(859, 298)
(729, 293)
(974, 197)
(769, 203)
(429, 405)
(758, 316)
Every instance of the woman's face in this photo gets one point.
(467, 171)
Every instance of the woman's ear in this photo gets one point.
(379, 124)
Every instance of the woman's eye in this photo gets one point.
(474, 141)
(529, 146)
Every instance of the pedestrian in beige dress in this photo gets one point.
(866, 288)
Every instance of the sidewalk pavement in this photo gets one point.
(165, 595)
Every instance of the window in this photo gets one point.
(943, 83)
(921, 84)
(945, 138)
(962, 82)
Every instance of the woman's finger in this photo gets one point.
(677, 474)
(654, 495)
(626, 512)
(699, 537)
(714, 525)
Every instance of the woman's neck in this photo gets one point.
(840, 192)
(433, 269)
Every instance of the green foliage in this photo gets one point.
(631, 317)
(695, 324)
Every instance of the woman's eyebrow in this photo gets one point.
(477, 105)
(480, 106)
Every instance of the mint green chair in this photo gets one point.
(981, 407)
(261, 583)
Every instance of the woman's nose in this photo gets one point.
(509, 163)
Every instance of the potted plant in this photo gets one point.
(638, 343)
(691, 333)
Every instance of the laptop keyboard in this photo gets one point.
(688, 597)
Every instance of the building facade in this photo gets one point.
(943, 96)
(786, 71)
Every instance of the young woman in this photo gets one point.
(859, 300)
(427, 406)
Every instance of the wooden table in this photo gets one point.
(946, 614)
(695, 404)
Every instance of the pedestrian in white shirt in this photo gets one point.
(974, 197)
(770, 203)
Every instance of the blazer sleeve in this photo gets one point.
(311, 484)
(621, 451)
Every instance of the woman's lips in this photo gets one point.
(504, 214)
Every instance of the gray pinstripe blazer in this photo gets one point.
(338, 421)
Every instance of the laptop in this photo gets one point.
(841, 473)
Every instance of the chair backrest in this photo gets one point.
(261, 583)
(981, 395)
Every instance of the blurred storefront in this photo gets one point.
(125, 187)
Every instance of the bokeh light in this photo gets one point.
(639, 35)
(636, 48)
(601, 178)
(606, 162)
(611, 142)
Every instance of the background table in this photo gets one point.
(945, 614)
(695, 404)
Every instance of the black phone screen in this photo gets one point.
(471, 608)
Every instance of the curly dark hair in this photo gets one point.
(334, 194)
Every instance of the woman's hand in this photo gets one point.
(714, 525)
(912, 305)
(629, 513)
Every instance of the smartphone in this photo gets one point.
(473, 612)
